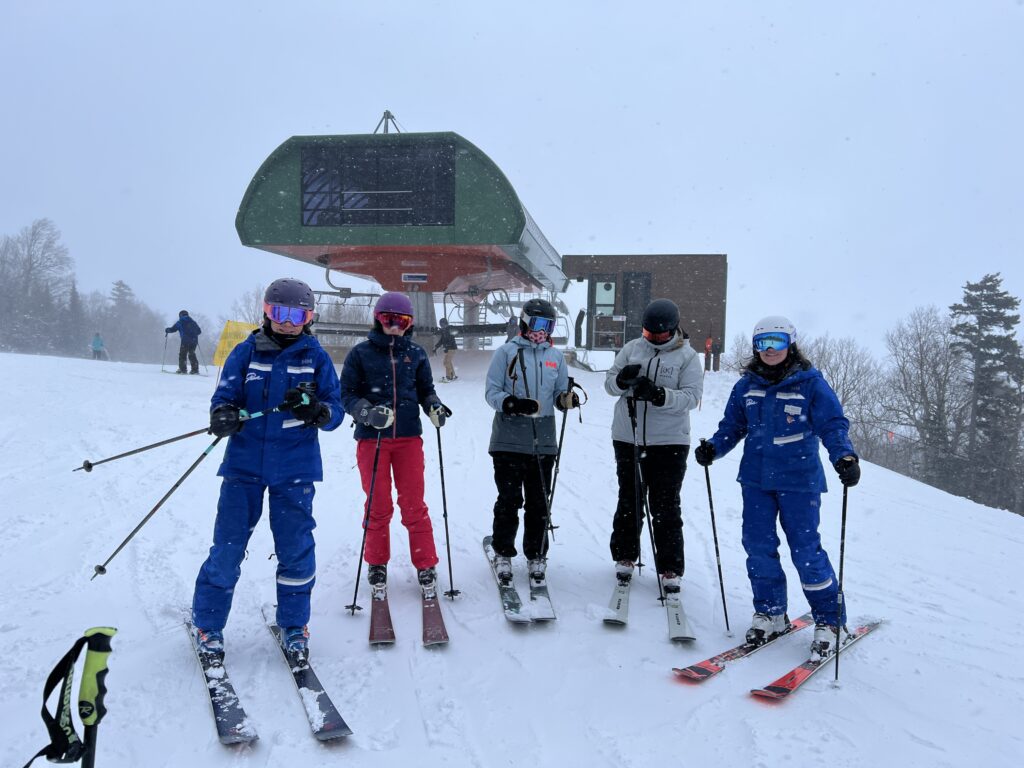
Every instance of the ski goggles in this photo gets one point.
(775, 340)
(394, 320)
(537, 323)
(657, 337)
(282, 314)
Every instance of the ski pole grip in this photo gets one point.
(94, 675)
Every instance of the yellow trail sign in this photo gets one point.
(234, 332)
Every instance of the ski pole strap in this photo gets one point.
(65, 746)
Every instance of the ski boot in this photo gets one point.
(296, 643)
(765, 627)
(210, 643)
(824, 643)
(428, 582)
(537, 568)
(624, 572)
(503, 568)
(377, 575)
(670, 584)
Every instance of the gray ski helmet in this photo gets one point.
(290, 292)
(661, 315)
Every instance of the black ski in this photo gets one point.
(324, 718)
(233, 726)
(510, 602)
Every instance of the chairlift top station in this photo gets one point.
(413, 211)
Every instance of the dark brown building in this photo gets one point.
(619, 287)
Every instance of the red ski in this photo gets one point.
(702, 670)
(382, 631)
(797, 676)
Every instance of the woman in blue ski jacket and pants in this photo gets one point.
(784, 409)
(277, 454)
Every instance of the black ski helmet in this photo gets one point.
(183, 313)
(535, 308)
(290, 292)
(661, 315)
(442, 323)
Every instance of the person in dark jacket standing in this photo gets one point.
(526, 381)
(277, 454)
(449, 345)
(783, 408)
(188, 331)
(659, 376)
(384, 382)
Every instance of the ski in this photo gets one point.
(233, 726)
(796, 677)
(702, 670)
(382, 631)
(541, 608)
(618, 608)
(678, 624)
(434, 632)
(510, 602)
(324, 719)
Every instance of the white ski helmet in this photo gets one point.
(776, 323)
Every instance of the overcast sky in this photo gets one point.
(854, 160)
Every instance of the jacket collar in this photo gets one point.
(522, 341)
(383, 341)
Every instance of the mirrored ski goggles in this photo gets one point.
(776, 340)
(281, 314)
(657, 337)
(539, 323)
(394, 320)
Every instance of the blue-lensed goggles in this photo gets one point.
(776, 340)
(281, 314)
(539, 323)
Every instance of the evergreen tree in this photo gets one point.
(984, 323)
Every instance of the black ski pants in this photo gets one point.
(517, 475)
(662, 468)
(188, 349)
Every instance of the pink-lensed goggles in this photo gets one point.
(394, 320)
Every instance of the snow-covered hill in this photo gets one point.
(941, 684)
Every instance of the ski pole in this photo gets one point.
(163, 359)
(714, 534)
(366, 524)
(93, 687)
(839, 594)
(102, 569)
(540, 462)
(88, 465)
(451, 593)
(561, 438)
(643, 509)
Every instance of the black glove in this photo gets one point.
(306, 408)
(520, 406)
(566, 400)
(438, 413)
(376, 416)
(627, 377)
(645, 389)
(704, 453)
(225, 421)
(849, 470)
(167, 330)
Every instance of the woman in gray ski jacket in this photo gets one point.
(658, 379)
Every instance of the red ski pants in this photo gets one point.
(403, 458)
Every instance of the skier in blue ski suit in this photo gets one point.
(784, 409)
(278, 453)
(188, 331)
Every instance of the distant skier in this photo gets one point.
(99, 352)
(448, 343)
(782, 407)
(277, 455)
(526, 381)
(660, 372)
(384, 382)
(188, 331)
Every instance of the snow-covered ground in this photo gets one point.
(940, 684)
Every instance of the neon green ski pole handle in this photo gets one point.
(94, 675)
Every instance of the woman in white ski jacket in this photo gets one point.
(658, 379)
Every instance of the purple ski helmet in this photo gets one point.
(396, 302)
